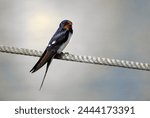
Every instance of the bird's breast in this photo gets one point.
(64, 44)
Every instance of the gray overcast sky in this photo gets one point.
(105, 28)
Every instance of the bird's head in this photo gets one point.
(67, 25)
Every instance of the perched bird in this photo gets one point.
(55, 46)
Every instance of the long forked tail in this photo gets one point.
(48, 63)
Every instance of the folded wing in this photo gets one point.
(47, 56)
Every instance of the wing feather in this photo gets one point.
(46, 56)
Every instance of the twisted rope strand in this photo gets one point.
(82, 59)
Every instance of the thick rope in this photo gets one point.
(82, 59)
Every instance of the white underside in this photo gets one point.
(65, 44)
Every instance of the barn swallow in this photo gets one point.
(55, 46)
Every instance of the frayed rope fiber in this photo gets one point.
(78, 58)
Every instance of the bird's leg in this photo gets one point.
(66, 53)
(59, 55)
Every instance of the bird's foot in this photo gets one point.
(66, 53)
